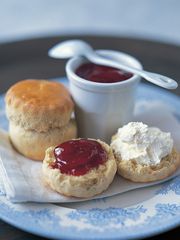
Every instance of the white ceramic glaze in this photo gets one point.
(101, 108)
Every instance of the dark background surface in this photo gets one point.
(28, 59)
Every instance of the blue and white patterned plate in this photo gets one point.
(135, 214)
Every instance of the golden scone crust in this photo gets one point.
(85, 186)
(38, 105)
(33, 144)
(144, 173)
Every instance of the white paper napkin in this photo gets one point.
(21, 178)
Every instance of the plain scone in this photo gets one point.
(34, 144)
(39, 113)
(136, 172)
(85, 186)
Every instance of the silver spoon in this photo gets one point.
(71, 48)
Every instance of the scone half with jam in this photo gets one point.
(80, 167)
(144, 154)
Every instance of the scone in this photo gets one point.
(39, 114)
(144, 154)
(34, 144)
(79, 167)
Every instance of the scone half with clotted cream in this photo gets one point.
(144, 154)
(80, 167)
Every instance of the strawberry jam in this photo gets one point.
(102, 74)
(77, 157)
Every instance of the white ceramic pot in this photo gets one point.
(101, 108)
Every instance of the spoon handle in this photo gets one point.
(155, 78)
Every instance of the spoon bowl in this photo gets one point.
(69, 49)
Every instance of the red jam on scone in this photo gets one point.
(77, 157)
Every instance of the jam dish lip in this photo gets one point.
(75, 62)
